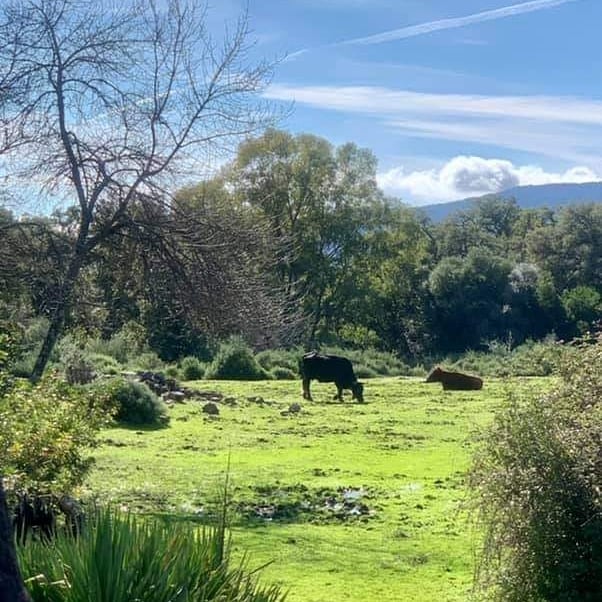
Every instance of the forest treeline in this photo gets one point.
(293, 242)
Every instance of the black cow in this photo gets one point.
(454, 381)
(330, 369)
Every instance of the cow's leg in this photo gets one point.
(339, 394)
(306, 392)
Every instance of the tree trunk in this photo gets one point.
(57, 320)
(311, 342)
(12, 588)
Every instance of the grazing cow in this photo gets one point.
(454, 381)
(330, 369)
(33, 517)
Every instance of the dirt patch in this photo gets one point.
(299, 503)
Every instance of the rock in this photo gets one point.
(209, 394)
(80, 375)
(231, 401)
(157, 382)
(177, 396)
(211, 409)
(294, 408)
(256, 399)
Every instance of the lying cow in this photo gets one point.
(454, 381)
(330, 369)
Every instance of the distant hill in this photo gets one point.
(527, 197)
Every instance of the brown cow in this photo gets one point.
(454, 381)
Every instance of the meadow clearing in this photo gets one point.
(341, 501)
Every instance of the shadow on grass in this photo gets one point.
(128, 426)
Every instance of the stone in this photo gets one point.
(177, 396)
(211, 409)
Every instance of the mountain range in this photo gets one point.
(527, 197)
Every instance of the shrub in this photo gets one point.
(135, 403)
(192, 368)
(282, 358)
(378, 363)
(541, 358)
(46, 435)
(172, 371)
(23, 367)
(104, 364)
(124, 557)
(72, 353)
(362, 371)
(538, 485)
(148, 360)
(583, 306)
(280, 373)
(128, 342)
(235, 361)
(358, 336)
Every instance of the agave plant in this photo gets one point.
(122, 557)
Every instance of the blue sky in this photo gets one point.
(454, 97)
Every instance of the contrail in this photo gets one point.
(452, 23)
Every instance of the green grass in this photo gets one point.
(405, 451)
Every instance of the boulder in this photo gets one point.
(176, 396)
(211, 409)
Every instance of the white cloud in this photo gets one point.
(562, 127)
(421, 29)
(388, 102)
(465, 176)
(455, 22)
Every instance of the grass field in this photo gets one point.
(346, 501)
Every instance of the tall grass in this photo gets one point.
(128, 558)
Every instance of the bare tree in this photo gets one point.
(107, 106)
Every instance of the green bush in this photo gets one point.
(148, 360)
(47, 433)
(538, 485)
(235, 361)
(172, 371)
(280, 373)
(192, 368)
(104, 364)
(281, 358)
(375, 363)
(127, 343)
(72, 353)
(23, 367)
(135, 403)
(124, 557)
(362, 371)
(532, 358)
(583, 306)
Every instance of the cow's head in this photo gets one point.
(434, 376)
(358, 391)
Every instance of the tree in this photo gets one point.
(489, 224)
(468, 298)
(525, 316)
(583, 306)
(401, 254)
(570, 248)
(12, 588)
(319, 202)
(105, 109)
